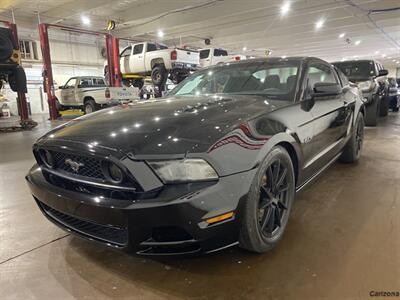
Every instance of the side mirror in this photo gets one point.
(308, 103)
(61, 87)
(326, 89)
(383, 73)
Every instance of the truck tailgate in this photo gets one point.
(123, 93)
(187, 56)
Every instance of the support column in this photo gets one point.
(47, 71)
(21, 100)
(112, 46)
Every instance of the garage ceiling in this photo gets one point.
(254, 25)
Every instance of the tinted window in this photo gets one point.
(127, 51)
(151, 47)
(220, 52)
(204, 53)
(357, 68)
(138, 49)
(275, 80)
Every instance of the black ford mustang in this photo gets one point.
(214, 164)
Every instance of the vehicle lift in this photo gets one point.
(112, 47)
(25, 121)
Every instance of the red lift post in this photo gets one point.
(112, 46)
(25, 122)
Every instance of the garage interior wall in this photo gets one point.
(72, 54)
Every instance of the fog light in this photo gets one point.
(114, 173)
(46, 158)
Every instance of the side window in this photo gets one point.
(85, 82)
(320, 73)
(220, 52)
(151, 47)
(70, 83)
(98, 82)
(204, 53)
(138, 49)
(126, 52)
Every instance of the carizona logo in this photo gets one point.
(384, 293)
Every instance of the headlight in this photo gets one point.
(365, 85)
(183, 170)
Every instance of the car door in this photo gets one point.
(84, 85)
(68, 91)
(329, 116)
(124, 61)
(137, 60)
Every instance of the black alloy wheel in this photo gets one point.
(359, 136)
(273, 204)
(265, 214)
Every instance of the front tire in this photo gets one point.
(352, 150)
(372, 112)
(266, 211)
(384, 111)
(159, 75)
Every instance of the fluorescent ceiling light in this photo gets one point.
(285, 8)
(342, 35)
(244, 48)
(357, 42)
(85, 20)
(160, 33)
(319, 24)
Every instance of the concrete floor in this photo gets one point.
(342, 241)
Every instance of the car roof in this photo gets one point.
(354, 60)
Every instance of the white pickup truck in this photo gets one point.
(214, 56)
(91, 93)
(158, 61)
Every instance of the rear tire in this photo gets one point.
(372, 112)
(264, 215)
(7, 47)
(159, 75)
(352, 150)
(138, 83)
(384, 107)
(89, 106)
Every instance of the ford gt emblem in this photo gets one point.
(74, 165)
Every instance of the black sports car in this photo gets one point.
(214, 164)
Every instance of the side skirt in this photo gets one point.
(312, 178)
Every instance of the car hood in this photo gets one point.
(357, 79)
(173, 125)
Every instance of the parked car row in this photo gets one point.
(371, 79)
(216, 163)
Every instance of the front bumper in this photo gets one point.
(171, 223)
(182, 67)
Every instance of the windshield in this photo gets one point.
(276, 80)
(357, 68)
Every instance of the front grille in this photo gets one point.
(90, 167)
(108, 234)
